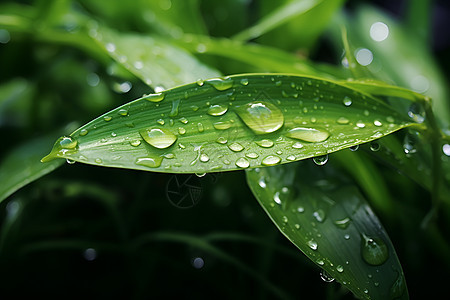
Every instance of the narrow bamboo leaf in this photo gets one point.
(233, 123)
(332, 224)
(266, 59)
(22, 166)
(157, 62)
(279, 16)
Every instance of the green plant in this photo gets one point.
(376, 147)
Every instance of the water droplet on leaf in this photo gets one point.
(321, 160)
(373, 250)
(243, 163)
(151, 162)
(158, 137)
(261, 117)
(217, 110)
(221, 84)
(312, 135)
(271, 160)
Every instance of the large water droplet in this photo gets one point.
(343, 223)
(151, 162)
(319, 215)
(343, 121)
(339, 268)
(312, 244)
(155, 97)
(261, 117)
(83, 132)
(271, 160)
(347, 101)
(321, 160)
(158, 137)
(221, 84)
(410, 141)
(312, 135)
(217, 110)
(265, 143)
(236, 147)
(242, 163)
(222, 125)
(373, 250)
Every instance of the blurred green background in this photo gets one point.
(86, 231)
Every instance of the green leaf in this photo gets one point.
(233, 123)
(265, 59)
(331, 223)
(22, 166)
(155, 61)
(279, 16)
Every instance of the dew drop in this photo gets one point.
(319, 215)
(360, 124)
(377, 123)
(297, 145)
(107, 118)
(354, 148)
(123, 112)
(181, 130)
(70, 161)
(297, 226)
(373, 250)
(151, 162)
(236, 147)
(67, 142)
(252, 155)
(158, 137)
(244, 81)
(243, 163)
(98, 160)
(347, 236)
(155, 97)
(343, 223)
(312, 135)
(204, 157)
(398, 288)
(262, 182)
(410, 141)
(265, 143)
(183, 120)
(221, 140)
(347, 101)
(312, 244)
(222, 125)
(261, 117)
(374, 146)
(339, 268)
(83, 132)
(343, 121)
(221, 84)
(200, 127)
(160, 121)
(321, 160)
(276, 198)
(271, 160)
(416, 112)
(217, 110)
(284, 219)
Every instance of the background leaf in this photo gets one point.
(333, 225)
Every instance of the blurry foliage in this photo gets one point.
(86, 231)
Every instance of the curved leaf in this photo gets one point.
(22, 166)
(332, 224)
(233, 123)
